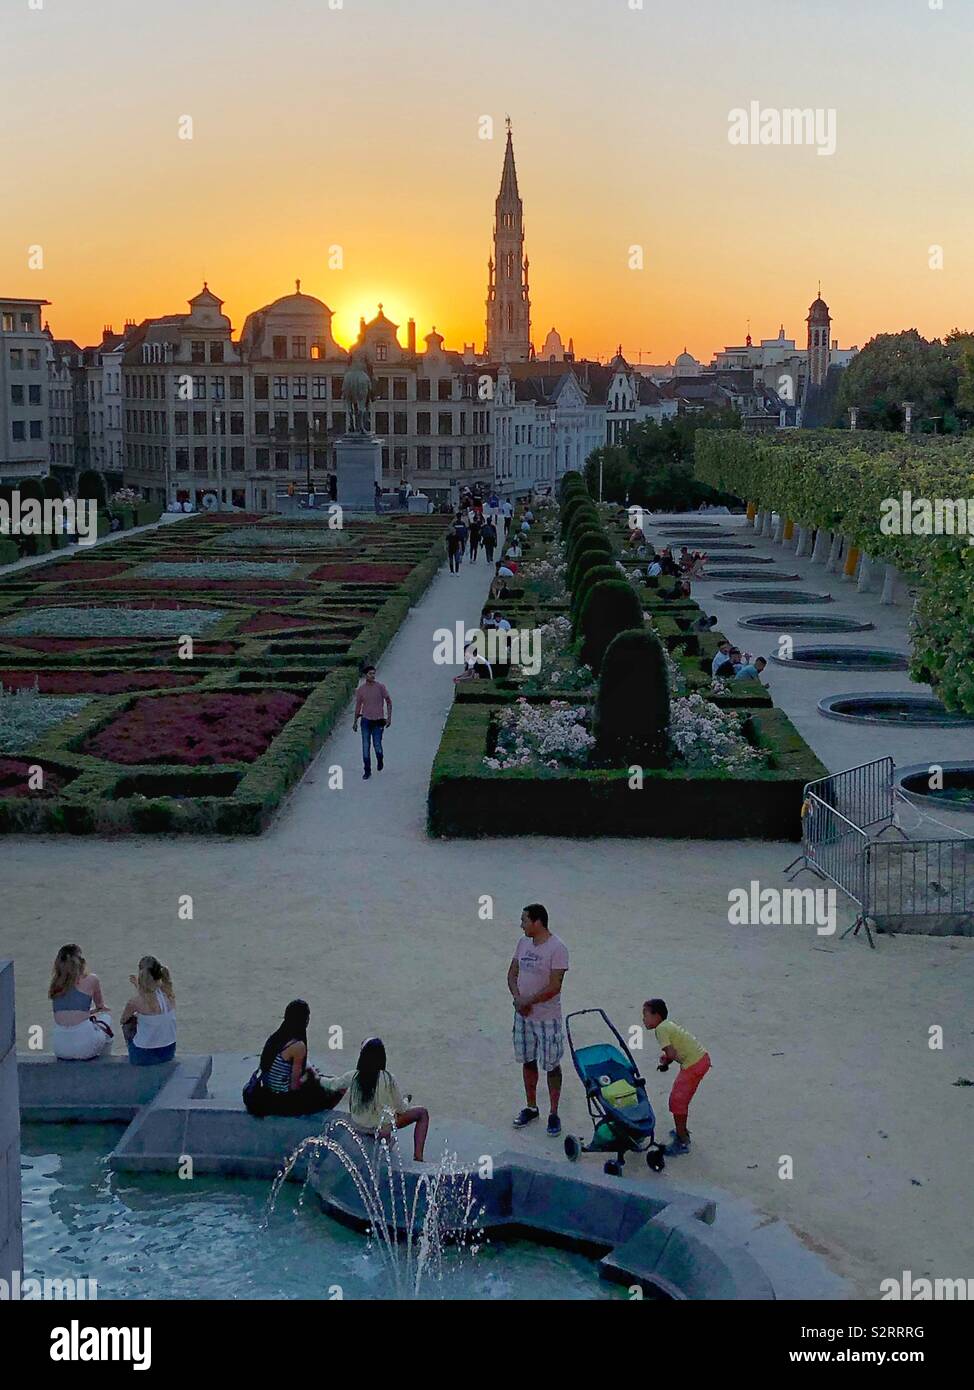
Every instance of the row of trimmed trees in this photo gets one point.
(632, 707)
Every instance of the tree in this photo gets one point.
(654, 467)
(895, 368)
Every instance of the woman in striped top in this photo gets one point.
(288, 1085)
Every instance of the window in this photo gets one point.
(321, 458)
(27, 323)
(263, 458)
(321, 422)
(445, 422)
(445, 389)
(218, 388)
(281, 422)
(236, 423)
(237, 460)
(279, 349)
(182, 460)
(199, 388)
(382, 422)
(400, 458)
(336, 387)
(216, 352)
(423, 388)
(37, 429)
(8, 323)
(16, 359)
(280, 388)
(200, 459)
(319, 388)
(198, 352)
(423, 457)
(399, 423)
(16, 395)
(260, 388)
(299, 348)
(382, 352)
(19, 430)
(281, 460)
(199, 422)
(444, 458)
(181, 422)
(219, 422)
(423, 422)
(236, 388)
(382, 388)
(338, 421)
(317, 351)
(399, 389)
(261, 422)
(301, 460)
(299, 388)
(301, 424)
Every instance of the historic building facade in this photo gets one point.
(508, 291)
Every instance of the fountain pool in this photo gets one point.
(149, 1236)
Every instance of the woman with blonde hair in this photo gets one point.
(149, 1017)
(82, 1023)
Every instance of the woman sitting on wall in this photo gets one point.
(375, 1103)
(149, 1017)
(82, 1023)
(288, 1086)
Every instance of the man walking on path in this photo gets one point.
(453, 549)
(488, 539)
(508, 512)
(535, 978)
(476, 528)
(373, 705)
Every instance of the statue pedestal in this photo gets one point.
(359, 467)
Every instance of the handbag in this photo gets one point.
(251, 1094)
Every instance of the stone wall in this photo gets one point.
(11, 1242)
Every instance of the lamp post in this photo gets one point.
(853, 417)
(907, 417)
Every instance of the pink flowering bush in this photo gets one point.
(560, 668)
(533, 736)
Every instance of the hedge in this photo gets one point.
(468, 800)
(838, 481)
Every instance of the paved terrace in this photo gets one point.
(819, 1047)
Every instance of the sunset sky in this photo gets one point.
(358, 127)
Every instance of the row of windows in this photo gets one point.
(32, 397)
(151, 386)
(10, 325)
(20, 356)
(202, 459)
(21, 430)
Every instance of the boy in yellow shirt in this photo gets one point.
(678, 1046)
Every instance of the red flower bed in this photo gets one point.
(268, 622)
(363, 573)
(96, 682)
(83, 644)
(14, 773)
(79, 571)
(220, 727)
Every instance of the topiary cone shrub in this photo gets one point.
(579, 538)
(632, 707)
(574, 507)
(581, 518)
(594, 546)
(30, 490)
(609, 607)
(598, 574)
(91, 487)
(572, 481)
(52, 488)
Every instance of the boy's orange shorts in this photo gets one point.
(686, 1083)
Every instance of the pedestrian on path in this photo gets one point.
(453, 549)
(476, 530)
(534, 978)
(373, 706)
(488, 539)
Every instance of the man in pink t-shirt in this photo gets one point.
(373, 706)
(535, 978)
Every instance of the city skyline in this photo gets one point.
(288, 160)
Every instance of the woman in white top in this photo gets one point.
(82, 1023)
(375, 1103)
(149, 1017)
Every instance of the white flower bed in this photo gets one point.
(25, 715)
(318, 537)
(217, 569)
(705, 736)
(559, 667)
(549, 736)
(112, 622)
(546, 578)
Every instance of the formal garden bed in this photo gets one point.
(185, 685)
(622, 730)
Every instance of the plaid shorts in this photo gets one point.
(538, 1040)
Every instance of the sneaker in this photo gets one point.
(676, 1147)
(554, 1126)
(380, 763)
(525, 1116)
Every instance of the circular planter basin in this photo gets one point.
(802, 596)
(697, 543)
(803, 622)
(742, 574)
(698, 537)
(845, 659)
(892, 707)
(957, 793)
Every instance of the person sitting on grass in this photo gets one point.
(678, 1046)
(514, 551)
(288, 1085)
(149, 1018)
(375, 1103)
(721, 656)
(750, 670)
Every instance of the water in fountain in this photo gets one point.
(411, 1250)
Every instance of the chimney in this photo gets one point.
(411, 335)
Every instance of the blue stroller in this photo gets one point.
(622, 1117)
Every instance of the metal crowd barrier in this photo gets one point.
(890, 881)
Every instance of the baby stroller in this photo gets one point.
(622, 1117)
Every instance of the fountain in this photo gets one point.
(893, 707)
(803, 622)
(409, 1231)
(802, 596)
(845, 659)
